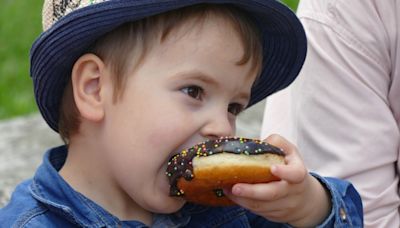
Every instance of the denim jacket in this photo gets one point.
(48, 201)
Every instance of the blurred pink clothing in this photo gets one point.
(343, 111)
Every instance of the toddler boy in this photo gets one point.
(127, 84)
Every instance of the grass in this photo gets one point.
(291, 3)
(20, 24)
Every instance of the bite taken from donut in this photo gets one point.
(200, 173)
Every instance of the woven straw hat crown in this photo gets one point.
(53, 10)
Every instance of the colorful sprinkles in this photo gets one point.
(180, 165)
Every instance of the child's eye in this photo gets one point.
(235, 108)
(195, 92)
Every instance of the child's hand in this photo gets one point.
(298, 199)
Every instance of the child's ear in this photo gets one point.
(87, 81)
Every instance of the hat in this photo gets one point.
(71, 26)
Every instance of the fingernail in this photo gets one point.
(237, 191)
(273, 169)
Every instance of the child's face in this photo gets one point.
(187, 89)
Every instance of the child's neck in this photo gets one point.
(91, 179)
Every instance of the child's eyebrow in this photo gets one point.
(198, 75)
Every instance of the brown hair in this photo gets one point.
(133, 39)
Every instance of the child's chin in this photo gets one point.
(171, 205)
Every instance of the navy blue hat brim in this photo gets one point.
(56, 50)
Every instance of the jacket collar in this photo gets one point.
(49, 188)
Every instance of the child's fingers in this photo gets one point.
(262, 198)
(292, 173)
(262, 191)
(294, 170)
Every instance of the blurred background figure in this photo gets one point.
(344, 108)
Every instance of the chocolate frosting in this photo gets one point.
(180, 165)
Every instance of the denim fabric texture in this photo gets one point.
(47, 200)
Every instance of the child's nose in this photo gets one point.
(217, 126)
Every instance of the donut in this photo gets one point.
(200, 173)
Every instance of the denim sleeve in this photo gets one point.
(347, 208)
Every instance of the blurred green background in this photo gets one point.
(20, 24)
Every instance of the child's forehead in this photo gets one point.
(209, 55)
(183, 21)
(201, 38)
(160, 33)
(196, 27)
